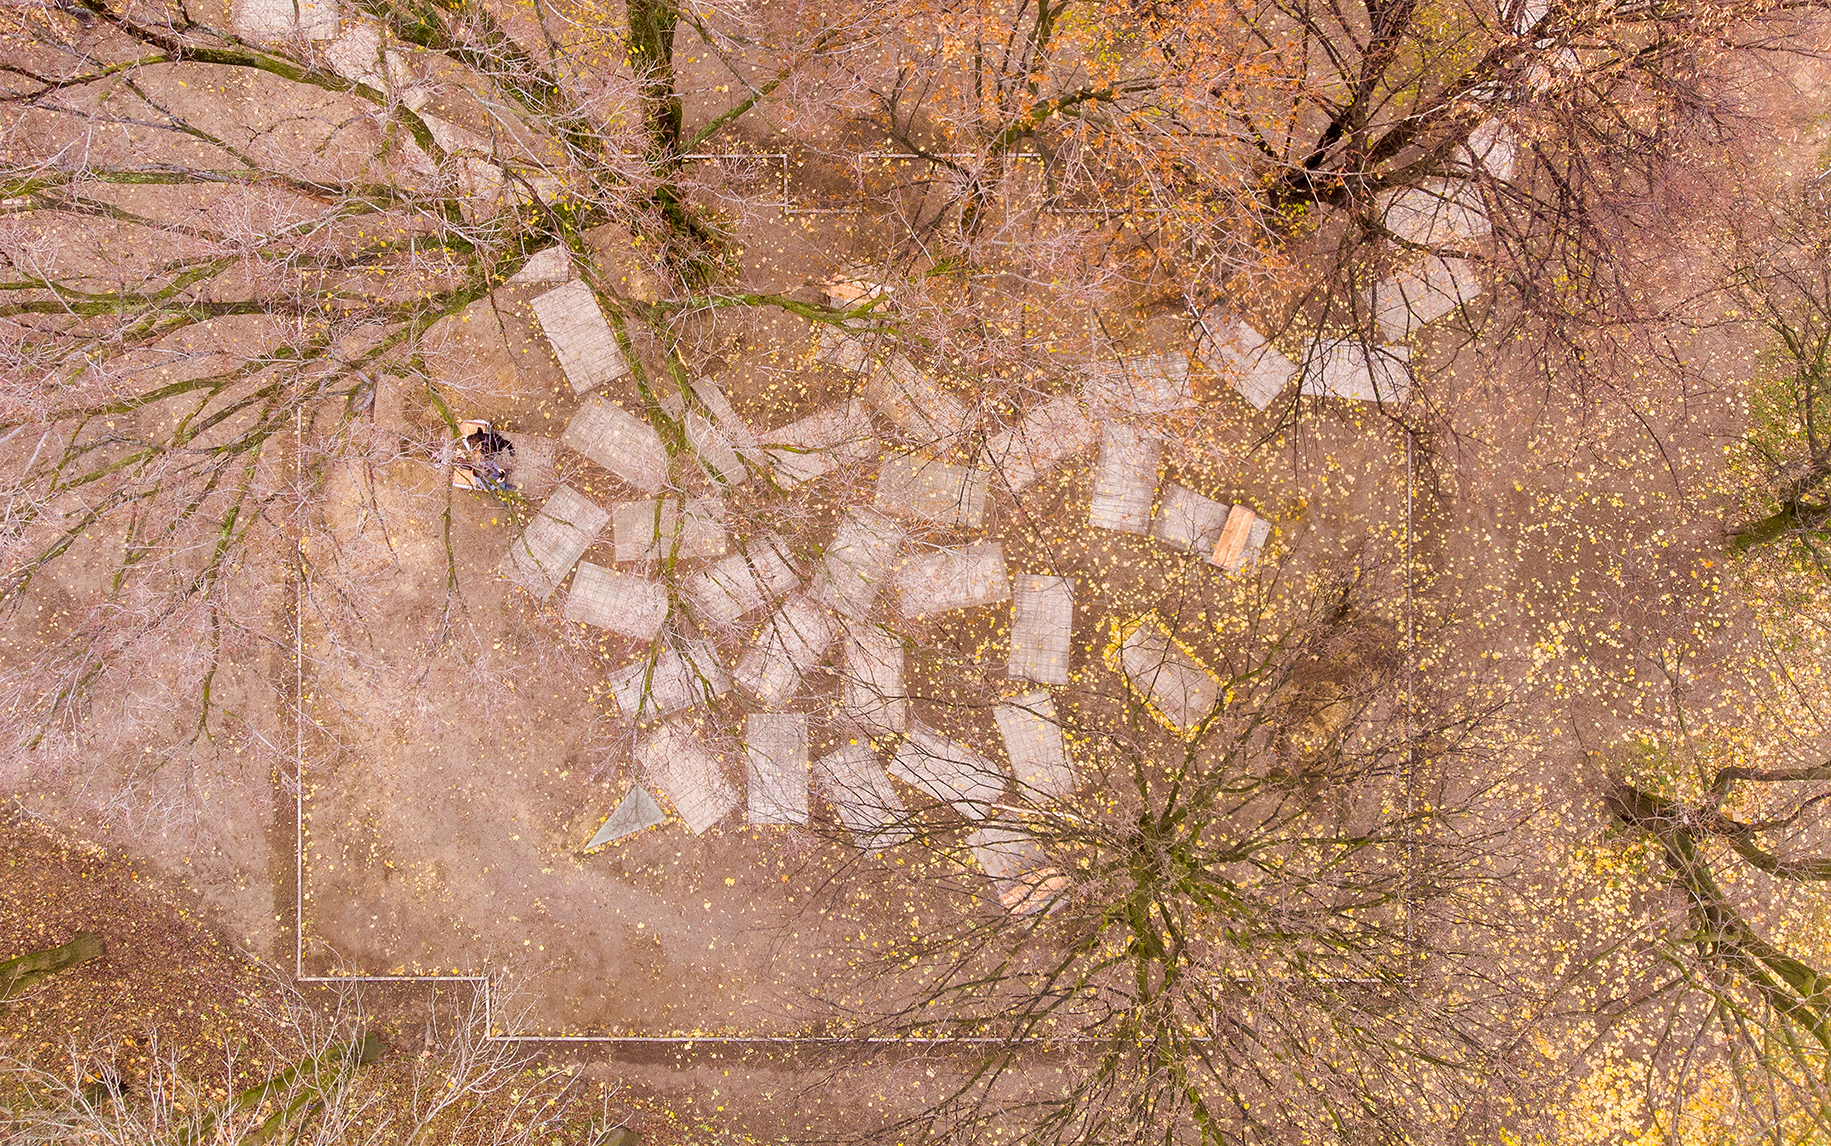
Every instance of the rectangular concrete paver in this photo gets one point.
(1177, 689)
(775, 743)
(1033, 742)
(671, 680)
(619, 441)
(914, 403)
(1436, 211)
(1013, 861)
(872, 691)
(1188, 520)
(1244, 357)
(582, 341)
(1237, 352)
(1351, 369)
(1042, 438)
(689, 773)
(1150, 384)
(720, 437)
(620, 602)
(937, 581)
(1422, 293)
(858, 562)
(841, 350)
(274, 20)
(566, 526)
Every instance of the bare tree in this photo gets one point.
(324, 1077)
(1742, 857)
(1247, 927)
(1782, 281)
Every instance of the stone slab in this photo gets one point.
(1125, 479)
(567, 525)
(920, 488)
(651, 530)
(939, 581)
(1032, 734)
(619, 441)
(582, 341)
(1042, 628)
(621, 603)
(775, 744)
(948, 771)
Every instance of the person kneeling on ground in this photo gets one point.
(480, 466)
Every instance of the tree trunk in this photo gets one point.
(16, 975)
(651, 53)
(1787, 520)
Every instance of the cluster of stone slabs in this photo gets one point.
(823, 615)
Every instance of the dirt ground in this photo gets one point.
(459, 746)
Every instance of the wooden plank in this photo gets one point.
(1229, 549)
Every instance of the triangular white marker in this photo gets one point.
(637, 812)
